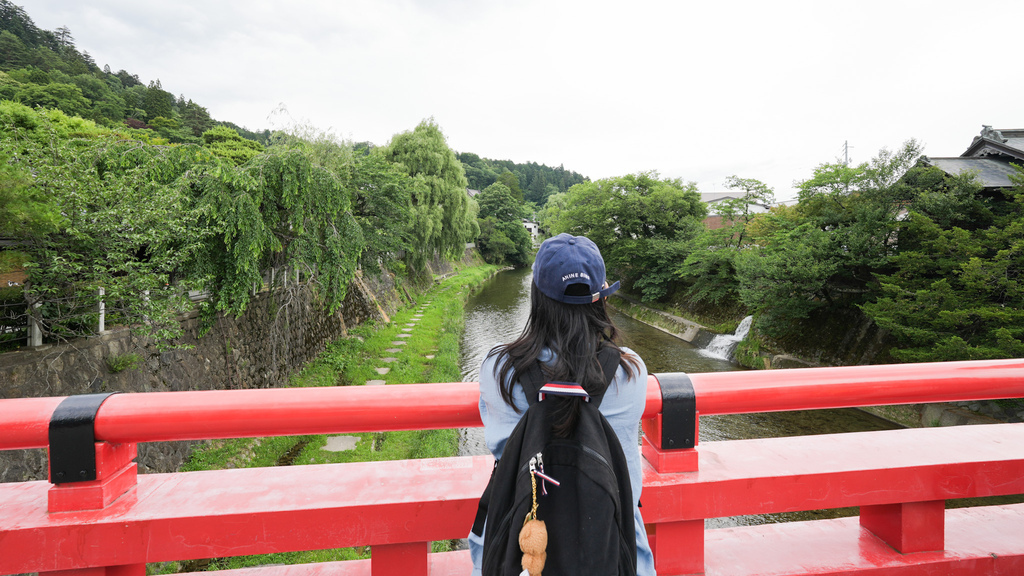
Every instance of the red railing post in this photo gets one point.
(409, 559)
(116, 475)
(678, 547)
(909, 526)
(671, 447)
(90, 475)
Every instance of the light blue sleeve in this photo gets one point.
(498, 417)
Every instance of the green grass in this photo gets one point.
(350, 362)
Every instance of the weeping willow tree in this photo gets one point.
(148, 223)
(441, 221)
(276, 210)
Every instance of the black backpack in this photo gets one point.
(589, 515)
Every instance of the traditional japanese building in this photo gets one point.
(990, 156)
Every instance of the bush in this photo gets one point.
(123, 362)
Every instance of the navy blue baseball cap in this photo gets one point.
(565, 260)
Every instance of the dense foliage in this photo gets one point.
(442, 218)
(934, 259)
(953, 290)
(530, 182)
(642, 223)
(86, 208)
(503, 238)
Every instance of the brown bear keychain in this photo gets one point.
(533, 538)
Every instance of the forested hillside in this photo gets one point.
(45, 68)
(530, 182)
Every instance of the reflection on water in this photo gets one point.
(499, 311)
(494, 315)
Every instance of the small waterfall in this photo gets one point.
(722, 346)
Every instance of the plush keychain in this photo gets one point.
(533, 538)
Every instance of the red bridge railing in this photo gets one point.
(119, 521)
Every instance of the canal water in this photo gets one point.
(498, 312)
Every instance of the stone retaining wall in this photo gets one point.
(279, 332)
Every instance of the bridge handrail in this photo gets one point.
(899, 479)
(208, 414)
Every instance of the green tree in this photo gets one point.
(65, 97)
(737, 211)
(196, 118)
(479, 174)
(511, 181)
(158, 102)
(441, 222)
(382, 207)
(172, 130)
(106, 104)
(227, 144)
(503, 238)
(279, 209)
(13, 53)
(787, 279)
(955, 291)
(549, 215)
(24, 209)
(642, 224)
(537, 188)
(710, 267)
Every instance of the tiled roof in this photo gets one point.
(992, 173)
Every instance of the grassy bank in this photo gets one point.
(431, 355)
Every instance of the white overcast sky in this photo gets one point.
(692, 90)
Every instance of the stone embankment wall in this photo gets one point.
(279, 332)
(675, 325)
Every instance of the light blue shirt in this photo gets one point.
(622, 406)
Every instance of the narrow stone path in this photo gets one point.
(406, 332)
(347, 442)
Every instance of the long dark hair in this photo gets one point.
(575, 333)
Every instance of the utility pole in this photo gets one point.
(846, 163)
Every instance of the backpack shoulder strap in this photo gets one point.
(485, 500)
(609, 358)
(532, 380)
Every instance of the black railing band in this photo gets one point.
(678, 411)
(73, 438)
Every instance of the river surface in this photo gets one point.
(498, 312)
